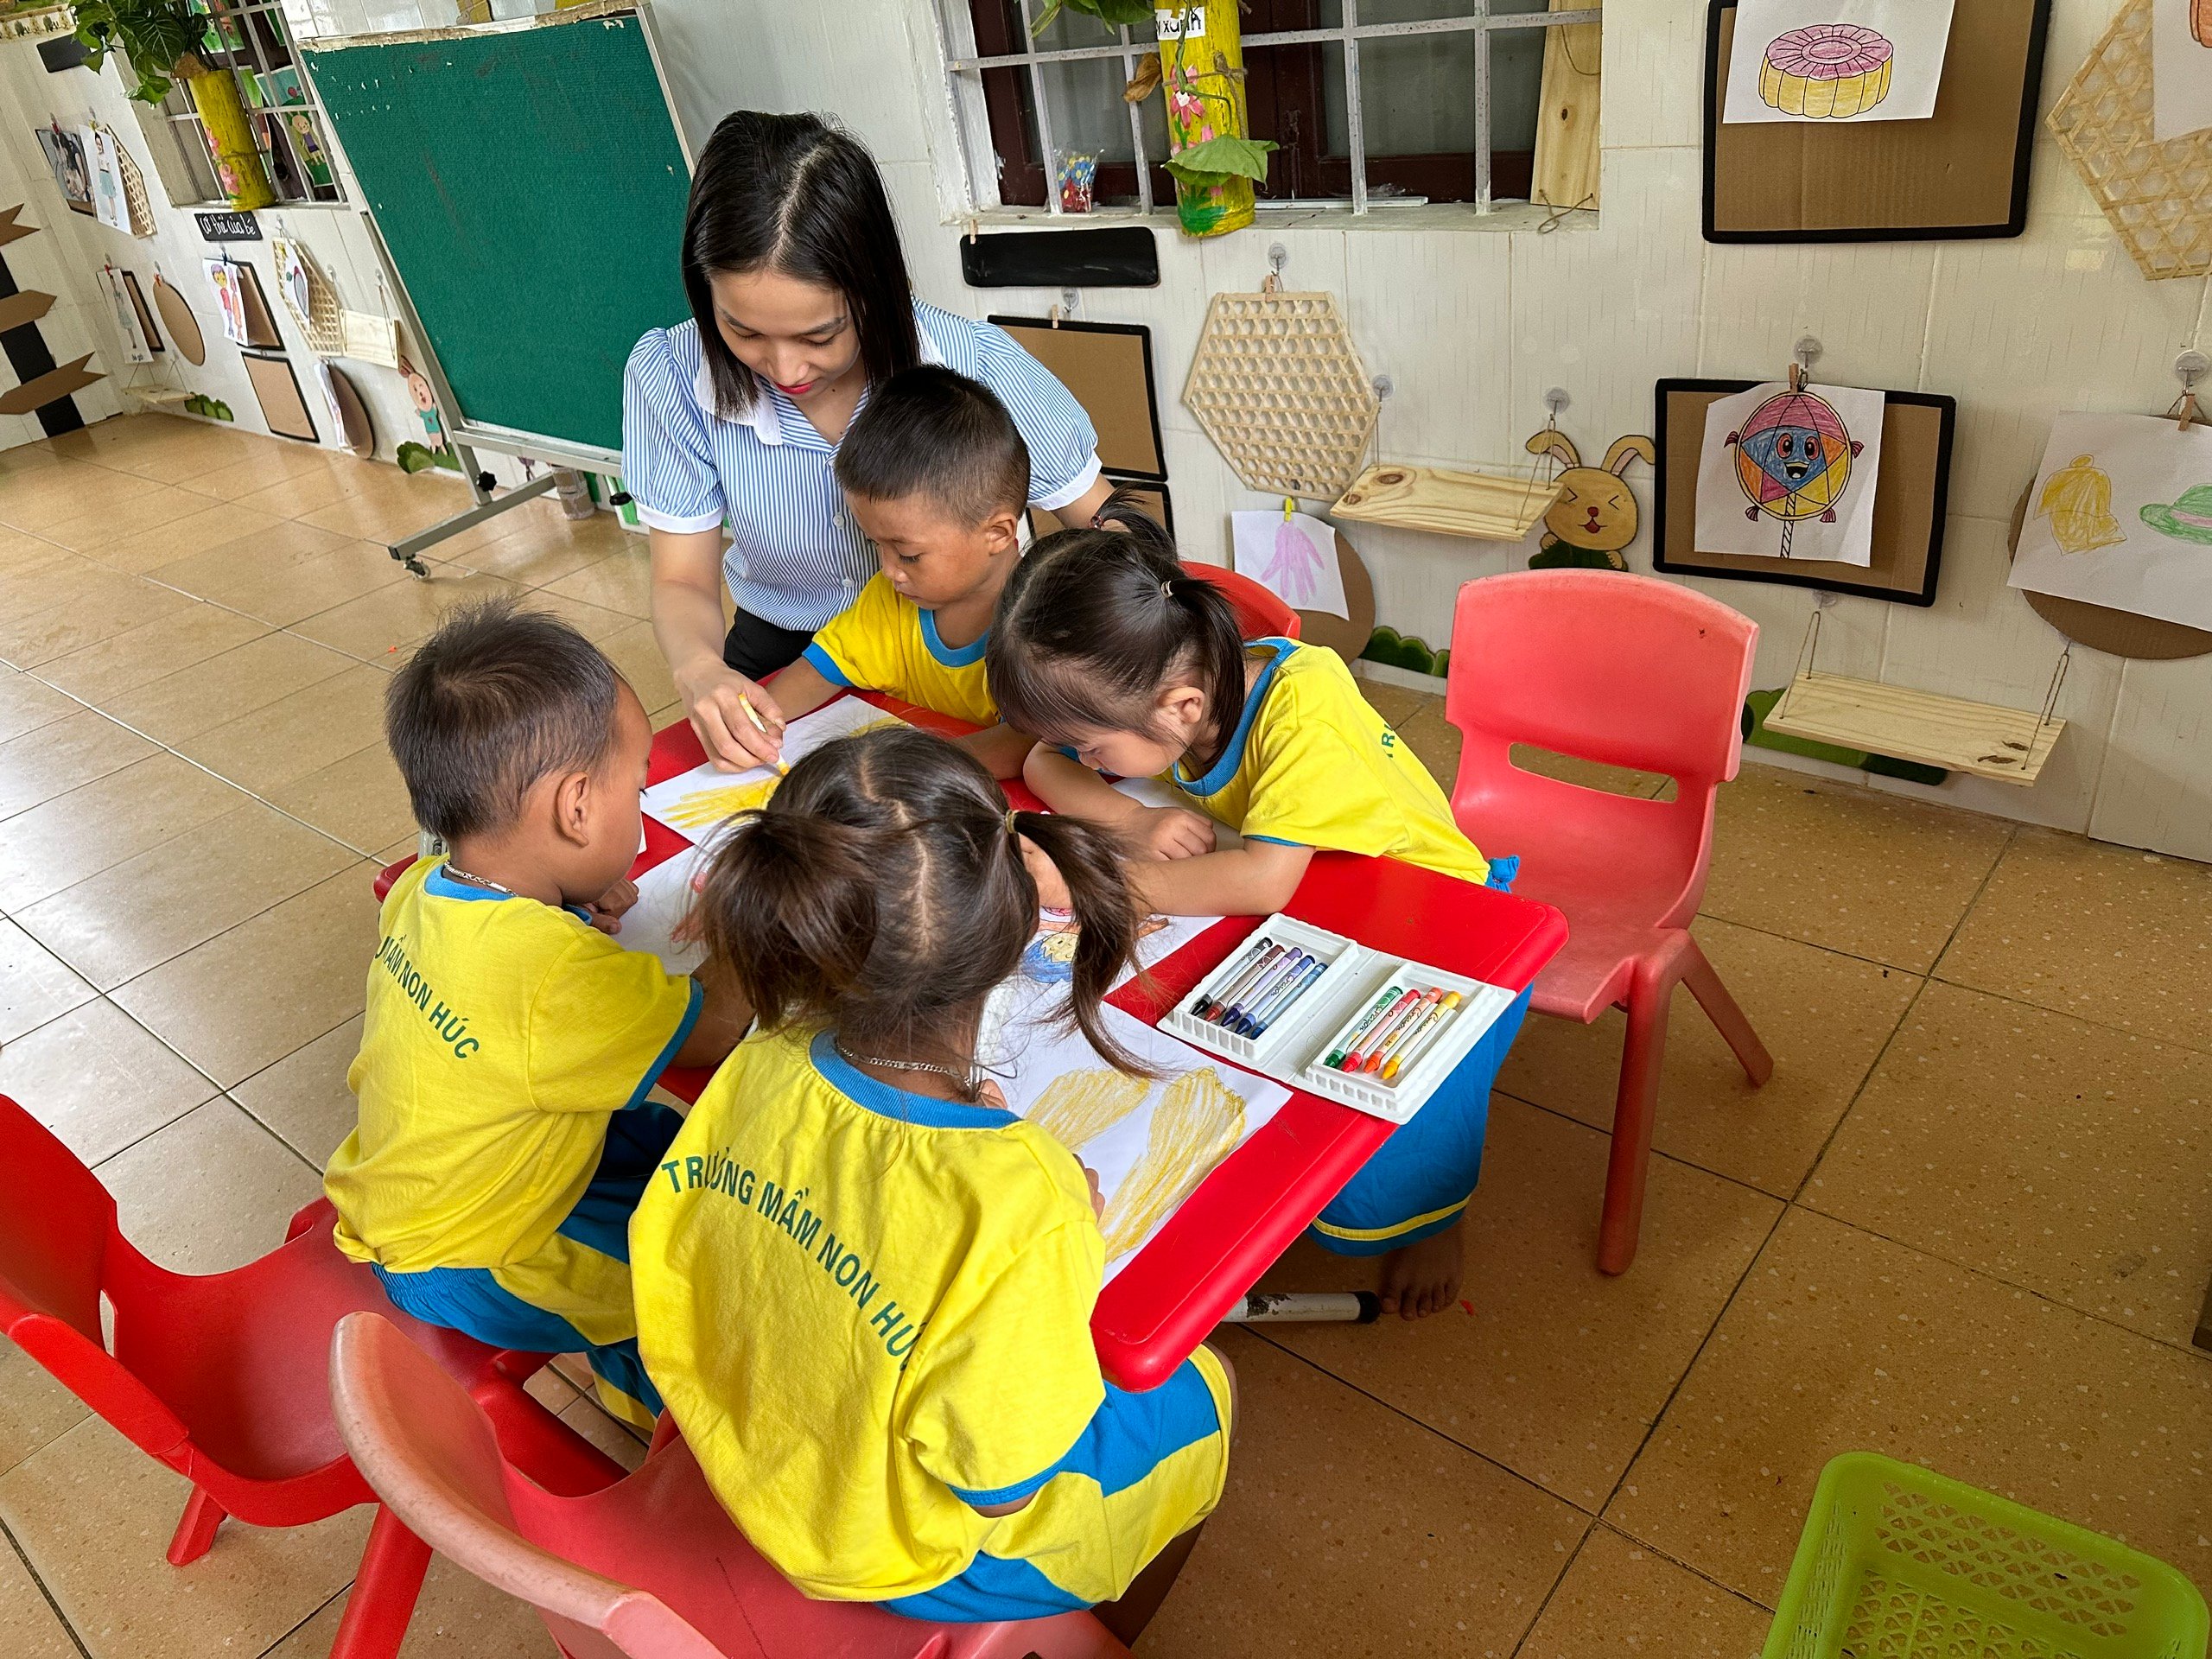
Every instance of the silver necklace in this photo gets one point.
(969, 1078)
(455, 870)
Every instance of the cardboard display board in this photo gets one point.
(1962, 173)
(278, 388)
(1908, 499)
(260, 325)
(1107, 365)
(144, 312)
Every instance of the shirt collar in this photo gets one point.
(765, 417)
(1232, 756)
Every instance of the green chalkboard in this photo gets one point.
(529, 187)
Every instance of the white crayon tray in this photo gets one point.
(1294, 1046)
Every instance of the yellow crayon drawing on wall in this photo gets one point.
(2077, 499)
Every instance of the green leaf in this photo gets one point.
(1216, 159)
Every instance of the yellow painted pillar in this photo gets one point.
(238, 158)
(1201, 65)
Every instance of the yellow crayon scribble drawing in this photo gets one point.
(1080, 1106)
(1199, 1123)
(2078, 502)
(705, 807)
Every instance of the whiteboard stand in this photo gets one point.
(468, 437)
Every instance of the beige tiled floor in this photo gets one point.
(1965, 1222)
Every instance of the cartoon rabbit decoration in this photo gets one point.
(1596, 515)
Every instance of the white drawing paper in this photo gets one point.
(1823, 61)
(107, 182)
(694, 802)
(135, 348)
(2181, 69)
(1791, 476)
(666, 893)
(1294, 558)
(229, 299)
(1200, 1110)
(2120, 515)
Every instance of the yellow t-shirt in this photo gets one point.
(884, 642)
(869, 1311)
(501, 1034)
(1311, 764)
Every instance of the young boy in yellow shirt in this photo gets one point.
(509, 1043)
(937, 476)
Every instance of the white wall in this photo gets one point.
(1473, 325)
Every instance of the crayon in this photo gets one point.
(1400, 1017)
(761, 727)
(1231, 983)
(1266, 995)
(1284, 998)
(1409, 1051)
(1375, 1010)
(1269, 984)
(1233, 995)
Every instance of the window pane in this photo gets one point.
(1418, 93)
(1086, 111)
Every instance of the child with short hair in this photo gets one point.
(936, 474)
(914, 1414)
(1103, 643)
(508, 1043)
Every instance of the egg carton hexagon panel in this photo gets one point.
(1278, 387)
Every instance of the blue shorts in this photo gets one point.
(581, 1279)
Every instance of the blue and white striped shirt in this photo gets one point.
(796, 556)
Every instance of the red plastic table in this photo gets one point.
(1245, 1214)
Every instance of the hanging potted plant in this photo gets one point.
(1198, 69)
(160, 41)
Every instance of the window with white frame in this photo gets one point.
(252, 40)
(1370, 102)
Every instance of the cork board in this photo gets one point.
(1961, 172)
(1908, 500)
(281, 406)
(1107, 365)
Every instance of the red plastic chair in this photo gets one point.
(222, 1377)
(650, 1568)
(391, 873)
(1260, 612)
(1630, 671)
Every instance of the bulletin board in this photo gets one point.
(1910, 498)
(1107, 365)
(1961, 172)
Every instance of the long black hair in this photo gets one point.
(882, 892)
(789, 193)
(1093, 624)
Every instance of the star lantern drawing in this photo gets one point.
(1792, 460)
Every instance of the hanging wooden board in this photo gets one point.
(1566, 168)
(1488, 508)
(183, 326)
(50, 387)
(2101, 627)
(353, 415)
(1985, 739)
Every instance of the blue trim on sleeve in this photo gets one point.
(1224, 769)
(697, 1001)
(1014, 1493)
(952, 656)
(905, 1106)
(1277, 840)
(824, 664)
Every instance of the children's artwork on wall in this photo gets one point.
(135, 347)
(696, 802)
(293, 280)
(2121, 516)
(230, 300)
(2181, 67)
(1293, 556)
(1150, 1142)
(73, 174)
(1791, 474)
(1837, 60)
(1596, 516)
(109, 205)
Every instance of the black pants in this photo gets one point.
(753, 647)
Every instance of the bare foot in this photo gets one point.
(1424, 1277)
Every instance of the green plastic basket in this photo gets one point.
(1898, 1563)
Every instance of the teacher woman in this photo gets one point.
(799, 305)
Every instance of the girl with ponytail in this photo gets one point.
(1124, 663)
(863, 1286)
